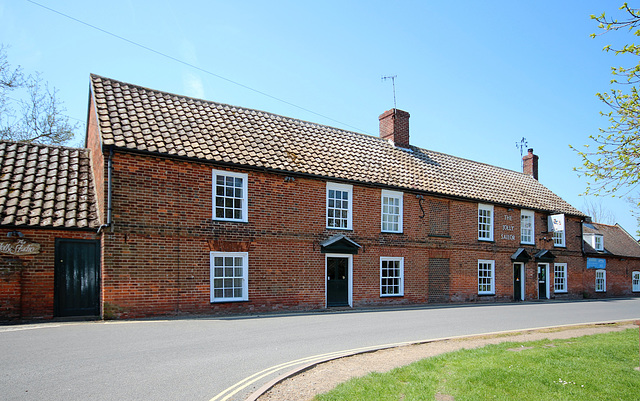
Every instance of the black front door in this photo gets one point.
(337, 281)
(542, 281)
(77, 278)
(517, 282)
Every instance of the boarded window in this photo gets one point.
(438, 218)
(439, 278)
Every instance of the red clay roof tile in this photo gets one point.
(182, 126)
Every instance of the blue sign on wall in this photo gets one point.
(593, 263)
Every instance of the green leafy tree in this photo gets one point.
(613, 165)
(29, 110)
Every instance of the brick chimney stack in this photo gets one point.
(394, 125)
(530, 164)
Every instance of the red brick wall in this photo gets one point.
(618, 278)
(27, 282)
(156, 260)
(394, 125)
(94, 144)
(530, 164)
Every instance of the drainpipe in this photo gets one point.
(109, 206)
(582, 236)
(583, 270)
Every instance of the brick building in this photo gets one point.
(215, 208)
(612, 261)
(49, 251)
(202, 207)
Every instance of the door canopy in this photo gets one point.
(340, 243)
(544, 255)
(521, 256)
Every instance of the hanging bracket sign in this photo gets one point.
(19, 247)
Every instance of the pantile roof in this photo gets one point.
(616, 240)
(46, 186)
(140, 119)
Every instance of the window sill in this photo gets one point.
(486, 240)
(339, 228)
(228, 301)
(493, 294)
(213, 220)
(561, 292)
(528, 243)
(391, 232)
(392, 296)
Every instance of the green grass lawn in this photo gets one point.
(597, 367)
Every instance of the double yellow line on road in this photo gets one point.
(243, 384)
(310, 361)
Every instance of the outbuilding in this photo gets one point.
(49, 250)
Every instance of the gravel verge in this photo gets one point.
(305, 384)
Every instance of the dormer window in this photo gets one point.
(595, 240)
(598, 242)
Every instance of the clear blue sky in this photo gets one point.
(476, 76)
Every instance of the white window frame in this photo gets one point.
(483, 233)
(386, 217)
(635, 281)
(601, 280)
(243, 199)
(400, 278)
(558, 236)
(560, 280)
(486, 266)
(558, 239)
(527, 232)
(598, 242)
(332, 186)
(244, 285)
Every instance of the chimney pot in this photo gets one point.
(394, 125)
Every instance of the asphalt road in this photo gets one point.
(202, 358)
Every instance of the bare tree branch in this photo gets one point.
(37, 115)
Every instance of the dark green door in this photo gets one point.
(337, 281)
(517, 283)
(542, 281)
(77, 278)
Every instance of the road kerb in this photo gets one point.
(302, 368)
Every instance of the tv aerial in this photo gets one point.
(522, 145)
(393, 82)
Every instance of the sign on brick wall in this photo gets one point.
(595, 263)
(508, 228)
(19, 247)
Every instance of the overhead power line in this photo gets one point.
(193, 66)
